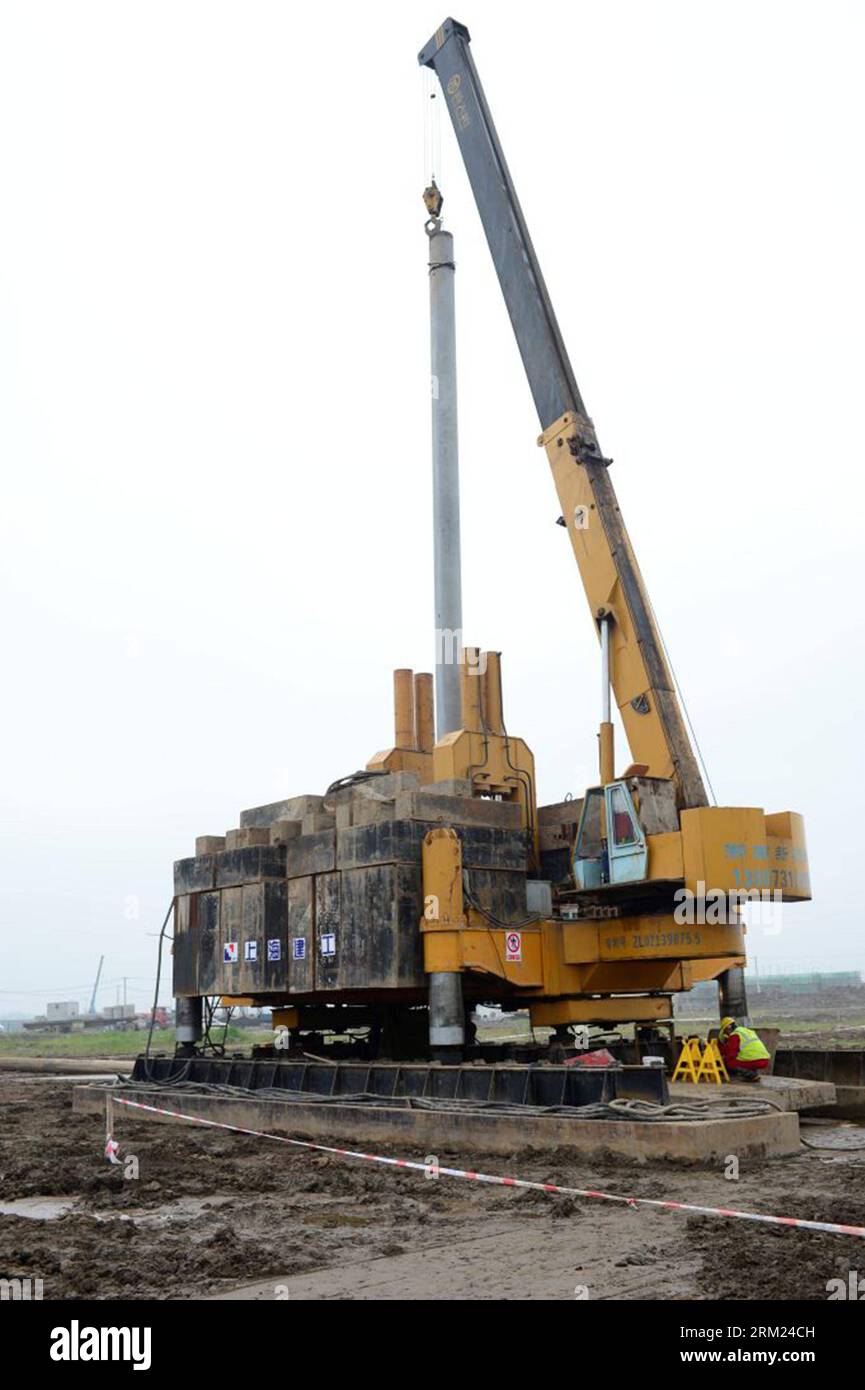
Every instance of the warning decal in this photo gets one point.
(514, 945)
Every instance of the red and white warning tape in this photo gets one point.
(831, 1226)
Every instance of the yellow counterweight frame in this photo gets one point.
(414, 727)
(482, 752)
(557, 969)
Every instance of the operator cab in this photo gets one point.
(610, 847)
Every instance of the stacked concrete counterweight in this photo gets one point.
(318, 900)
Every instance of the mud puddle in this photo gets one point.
(38, 1208)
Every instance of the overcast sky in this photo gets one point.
(214, 420)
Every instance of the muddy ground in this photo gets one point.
(214, 1216)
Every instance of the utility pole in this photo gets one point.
(92, 1008)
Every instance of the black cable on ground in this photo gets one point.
(642, 1111)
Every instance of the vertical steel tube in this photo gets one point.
(446, 494)
(605, 670)
(607, 756)
(446, 1016)
(187, 1024)
(732, 997)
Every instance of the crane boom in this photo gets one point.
(640, 674)
(92, 1006)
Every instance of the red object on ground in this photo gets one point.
(601, 1058)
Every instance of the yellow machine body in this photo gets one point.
(607, 963)
(610, 970)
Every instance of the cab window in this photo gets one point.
(625, 832)
(590, 846)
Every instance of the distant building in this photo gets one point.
(63, 1010)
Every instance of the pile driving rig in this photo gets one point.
(432, 881)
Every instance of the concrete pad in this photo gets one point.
(842, 1067)
(707, 1141)
(787, 1092)
(849, 1104)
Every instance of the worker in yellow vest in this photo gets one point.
(745, 1056)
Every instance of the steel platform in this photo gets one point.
(513, 1084)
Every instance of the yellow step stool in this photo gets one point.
(694, 1065)
(688, 1065)
(712, 1064)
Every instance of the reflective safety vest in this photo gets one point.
(751, 1049)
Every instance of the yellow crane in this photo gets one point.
(658, 875)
